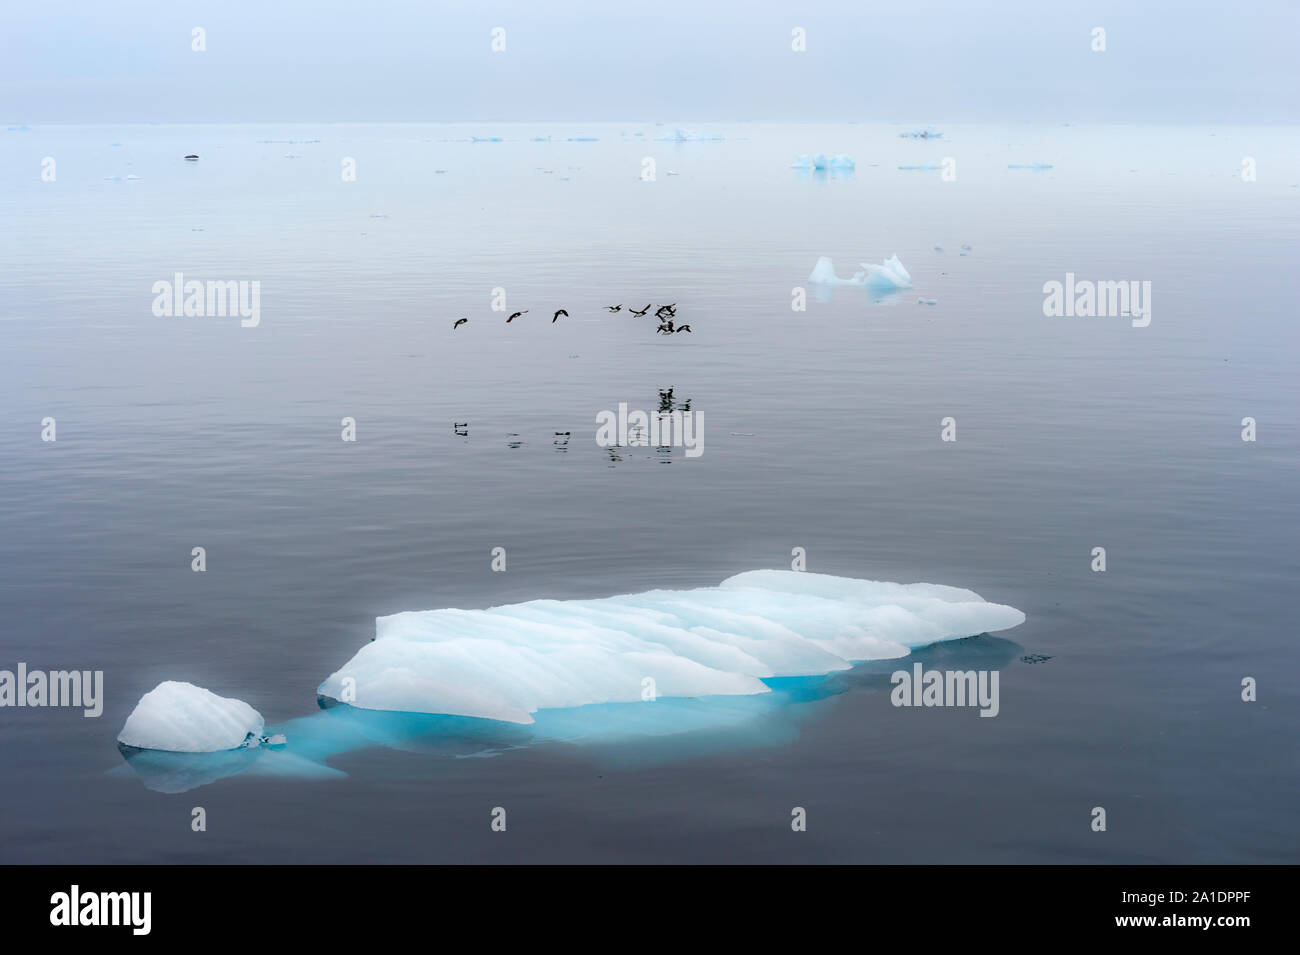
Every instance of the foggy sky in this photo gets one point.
(430, 60)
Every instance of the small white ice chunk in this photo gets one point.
(184, 718)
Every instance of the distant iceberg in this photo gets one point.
(507, 663)
(823, 273)
(889, 275)
(929, 132)
(1029, 165)
(184, 718)
(840, 161)
(690, 136)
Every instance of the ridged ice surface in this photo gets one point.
(888, 275)
(508, 662)
(184, 718)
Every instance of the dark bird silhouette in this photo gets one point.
(682, 328)
(558, 314)
(612, 308)
(191, 157)
(458, 323)
(516, 315)
(665, 311)
(632, 311)
(666, 327)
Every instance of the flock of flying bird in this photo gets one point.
(665, 313)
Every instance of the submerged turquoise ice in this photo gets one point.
(713, 661)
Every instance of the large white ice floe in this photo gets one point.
(890, 274)
(506, 663)
(184, 718)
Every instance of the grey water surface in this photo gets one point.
(821, 430)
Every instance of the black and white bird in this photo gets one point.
(458, 323)
(516, 315)
(682, 328)
(558, 314)
(613, 308)
(632, 311)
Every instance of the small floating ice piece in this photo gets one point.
(1029, 165)
(823, 273)
(840, 162)
(184, 718)
(928, 132)
(888, 275)
(924, 167)
(583, 139)
(822, 161)
(927, 301)
(485, 139)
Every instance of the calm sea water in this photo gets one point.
(821, 430)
